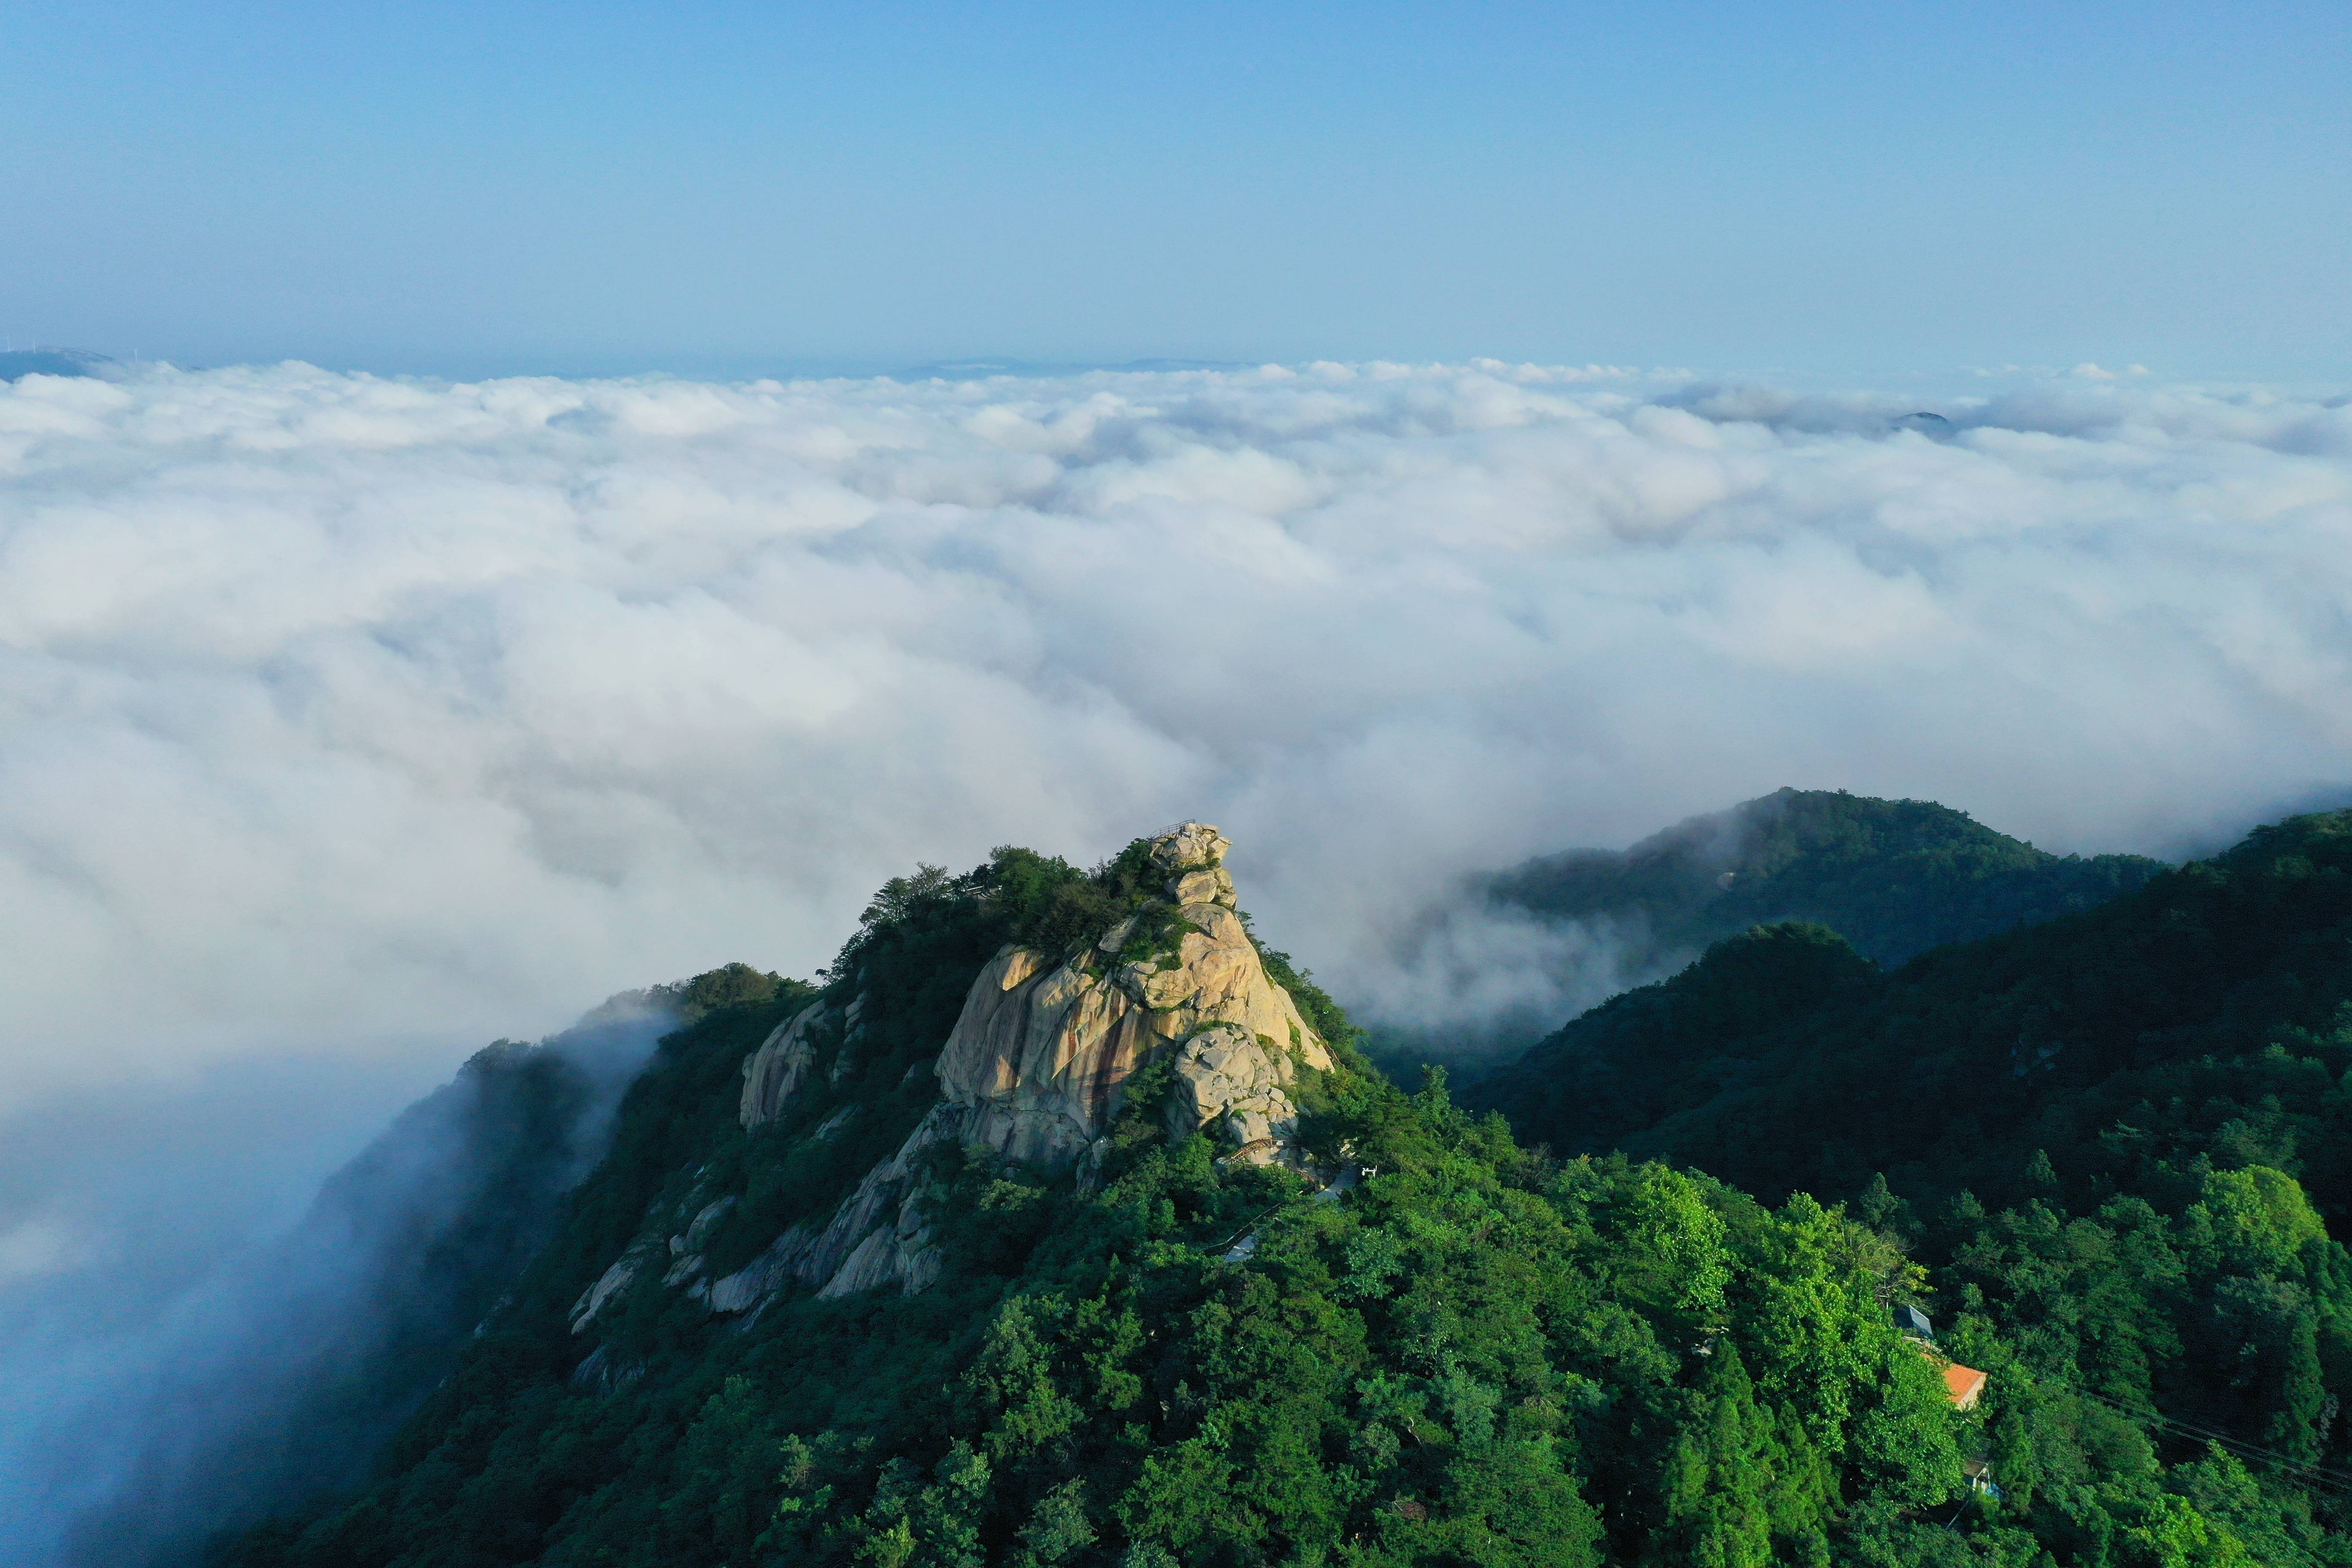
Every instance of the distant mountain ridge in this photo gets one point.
(17, 363)
(1894, 877)
(1954, 1063)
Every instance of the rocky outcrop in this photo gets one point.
(1190, 846)
(1211, 887)
(1036, 1068)
(1043, 1051)
(1040, 1054)
(684, 1255)
(686, 1247)
(1231, 1085)
(877, 1236)
(609, 1285)
(774, 1073)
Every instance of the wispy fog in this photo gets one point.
(349, 713)
(193, 1332)
(1478, 978)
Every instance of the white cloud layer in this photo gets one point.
(341, 712)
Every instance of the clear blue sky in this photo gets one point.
(1831, 188)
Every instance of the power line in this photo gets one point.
(2335, 1480)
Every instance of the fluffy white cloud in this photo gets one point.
(341, 711)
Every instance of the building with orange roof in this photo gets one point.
(1964, 1384)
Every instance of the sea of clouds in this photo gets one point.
(347, 723)
(356, 714)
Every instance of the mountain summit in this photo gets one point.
(1034, 1071)
(1894, 877)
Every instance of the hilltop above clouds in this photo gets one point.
(16, 363)
(395, 715)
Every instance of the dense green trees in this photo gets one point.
(2116, 1141)
(2207, 1015)
(1481, 1357)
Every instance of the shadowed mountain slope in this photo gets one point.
(1893, 877)
(1782, 1060)
(283, 1375)
(1524, 949)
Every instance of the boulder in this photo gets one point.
(1229, 1083)
(1190, 846)
(1214, 887)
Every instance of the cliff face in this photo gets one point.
(1039, 1060)
(1036, 1068)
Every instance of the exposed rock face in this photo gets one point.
(1035, 1067)
(1043, 1051)
(1229, 1084)
(877, 1236)
(1190, 846)
(1205, 887)
(1040, 1054)
(608, 1285)
(774, 1073)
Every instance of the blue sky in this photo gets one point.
(1846, 190)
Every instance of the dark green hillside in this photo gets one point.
(2119, 1139)
(2203, 1013)
(1895, 877)
(1641, 1056)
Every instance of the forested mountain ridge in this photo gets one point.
(1328, 1322)
(1894, 877)
(2216, 994)
(1240, 1301)
(305, 1356)
(2118, 1141)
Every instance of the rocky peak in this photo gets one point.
(1040, 1060)
(1193, 856)
(1189, 847)
(1038, 1063)
(1036, 1068)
